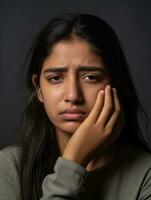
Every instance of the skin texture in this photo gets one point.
(79, 89)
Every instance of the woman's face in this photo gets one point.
(69, 82)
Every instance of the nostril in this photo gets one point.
(75, 102)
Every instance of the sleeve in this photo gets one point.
(145, 191)
(67, 181)
(9, 178)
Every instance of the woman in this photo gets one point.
(81, 138)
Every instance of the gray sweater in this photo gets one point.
(128, 177)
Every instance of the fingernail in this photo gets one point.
(102, 91)
(114, 89)
(109, 87)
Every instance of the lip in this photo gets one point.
(73, 111)
(73, 116)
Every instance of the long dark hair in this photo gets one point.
(39, 144)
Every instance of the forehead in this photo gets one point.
(72, 52)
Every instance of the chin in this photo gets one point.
(70, 127)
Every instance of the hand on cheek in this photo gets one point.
(99, 129)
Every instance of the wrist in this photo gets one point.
(75, 159)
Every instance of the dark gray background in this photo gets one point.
(20, 21)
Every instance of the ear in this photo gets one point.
(37, 87)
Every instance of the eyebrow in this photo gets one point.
(82, 68)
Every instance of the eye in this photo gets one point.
(55, 79)
(92, 77)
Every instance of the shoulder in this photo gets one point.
(10, 156)
(135, 171)
(135, 160)
(10, 172)
(136, 155)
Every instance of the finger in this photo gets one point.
(107, 108)
(119, 124)
(95, 112)
(117, 117)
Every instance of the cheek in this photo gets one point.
(51, 99)
(91, 98)
(91, 93)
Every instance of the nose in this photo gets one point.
(73, 92)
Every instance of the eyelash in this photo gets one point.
(97, 78)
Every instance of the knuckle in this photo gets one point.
(108, 130)
(118, 109)
(99, 129)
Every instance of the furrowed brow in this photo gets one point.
(81, 68)
(56, 69)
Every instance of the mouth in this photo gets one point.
(73, 116)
